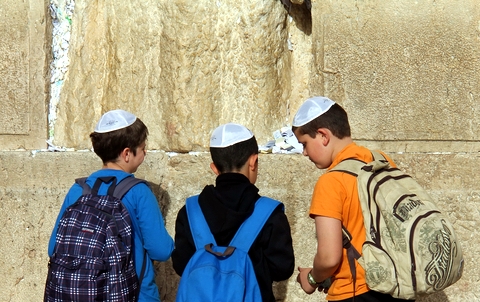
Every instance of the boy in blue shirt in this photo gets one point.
(119, 140)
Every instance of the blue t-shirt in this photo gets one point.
(150, 234)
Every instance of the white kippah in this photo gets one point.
(229, 134)
(311, 109)
(114, 120)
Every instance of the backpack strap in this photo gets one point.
(119, 189)
(98, 182)
(83, 183)
(353, 166)
(352, 255)
(350, 166)
(125, 185)
(251, 227)
(246, 234)
(198, 225)
(377, 155)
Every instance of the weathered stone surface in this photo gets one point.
(184, 67)
(403, 70)
(32, 189)
(14, 70)
(23, 41)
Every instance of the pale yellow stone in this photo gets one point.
(183, 67)
(407, 73)
(23, 78)
(32, 189)
(403, 70)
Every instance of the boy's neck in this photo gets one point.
(115, 166)
(340, 144)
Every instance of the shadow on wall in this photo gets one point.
(301, 13)
(280, 290)
(436, 297)
(162, 196)
(166, 278)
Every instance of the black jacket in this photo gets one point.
(225, 207)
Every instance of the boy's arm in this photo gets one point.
(279, 253)
(184, 245)
(329, 248)
(156, 240)
(329, 252)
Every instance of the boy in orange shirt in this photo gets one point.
(322, 127)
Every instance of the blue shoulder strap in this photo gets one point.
(198, 225)
(249, 230)
(246, 234)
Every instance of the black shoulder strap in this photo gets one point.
(83, 183)
(120, 189)
(87, 190)
(125, 185)
(352, 255)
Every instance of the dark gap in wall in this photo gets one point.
(301, 14)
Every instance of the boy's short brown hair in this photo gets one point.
(109, 145)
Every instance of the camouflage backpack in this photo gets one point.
(410, 249)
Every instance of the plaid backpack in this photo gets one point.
(410, 248)
(93, 255)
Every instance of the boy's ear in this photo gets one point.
(325, 135)
(253, 162)
(125, 154)
(214, 169)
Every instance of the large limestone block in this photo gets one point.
(32, 188)
(404, 70)
(23, 41)
(183, 67)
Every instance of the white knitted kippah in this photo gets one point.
(114, 120)
(311, 109)
(229, 134)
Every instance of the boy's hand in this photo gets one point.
(302, 279)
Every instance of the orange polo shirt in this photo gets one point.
(335, 195)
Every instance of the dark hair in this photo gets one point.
(233, 158)
(109, 145)
(335, 120)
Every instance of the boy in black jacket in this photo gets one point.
(234, 152)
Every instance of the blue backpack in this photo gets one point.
(225, 274)
(93, 255)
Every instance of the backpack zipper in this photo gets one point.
(414, 268)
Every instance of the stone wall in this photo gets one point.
(405, 72)
(32, 189)
(23, 74)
